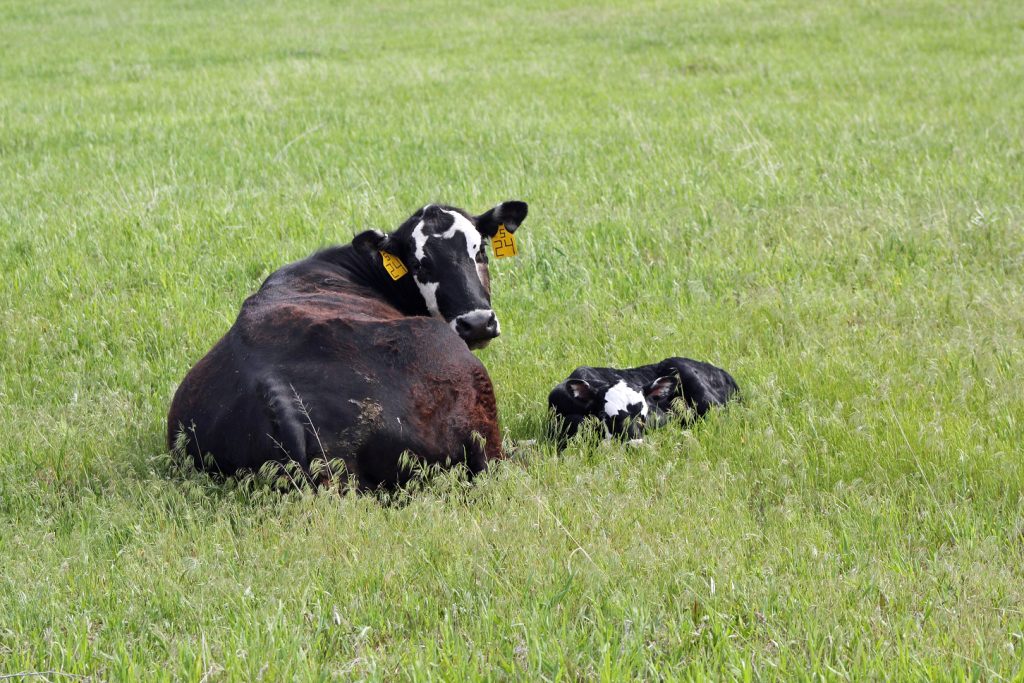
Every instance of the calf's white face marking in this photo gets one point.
(620, 397)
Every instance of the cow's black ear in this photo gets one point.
(371, 240)
(662, 389)
(510, 214)
(581, 390)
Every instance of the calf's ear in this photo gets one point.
(581, 391)
(661, 389)
(510, 214)
(371, 240)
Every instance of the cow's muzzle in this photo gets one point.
(477, 327)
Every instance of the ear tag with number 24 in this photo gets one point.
(504, 243)
(393, 265)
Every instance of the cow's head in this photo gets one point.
(444, 250)
(623, 410)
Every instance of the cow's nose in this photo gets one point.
(477, 326)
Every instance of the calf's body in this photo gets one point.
(630, 400)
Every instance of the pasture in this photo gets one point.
(823, 198)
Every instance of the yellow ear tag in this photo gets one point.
(393, 265)
(504, 243)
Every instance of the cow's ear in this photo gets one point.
(371, 240)
(661, 389)
(580, 390)
(510, 214)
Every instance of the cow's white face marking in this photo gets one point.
(420, 239)
(620, 397)
(485, 276)
(428, 290)
(460, 226)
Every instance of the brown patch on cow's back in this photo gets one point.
(432, 396)
(451, 397)
(435, 413)
(485, 413)
(321, 321)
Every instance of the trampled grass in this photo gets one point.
(824, 198)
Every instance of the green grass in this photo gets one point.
(824, 198)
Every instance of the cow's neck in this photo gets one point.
(366, 271)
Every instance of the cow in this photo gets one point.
(631, 400)
(359, 354)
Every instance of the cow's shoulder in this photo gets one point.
(309, 305)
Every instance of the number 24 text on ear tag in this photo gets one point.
(504, 243)
(393, 265)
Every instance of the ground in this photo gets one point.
(824, 198)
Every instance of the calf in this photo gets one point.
(629, 401)
(359, 353)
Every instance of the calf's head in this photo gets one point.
(624, 411)
(444, 250)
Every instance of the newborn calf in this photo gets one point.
(630, 400)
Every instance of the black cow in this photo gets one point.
(631, 400)
(358, 353)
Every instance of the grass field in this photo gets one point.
(825, 198)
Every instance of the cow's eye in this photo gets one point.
(425, 265)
